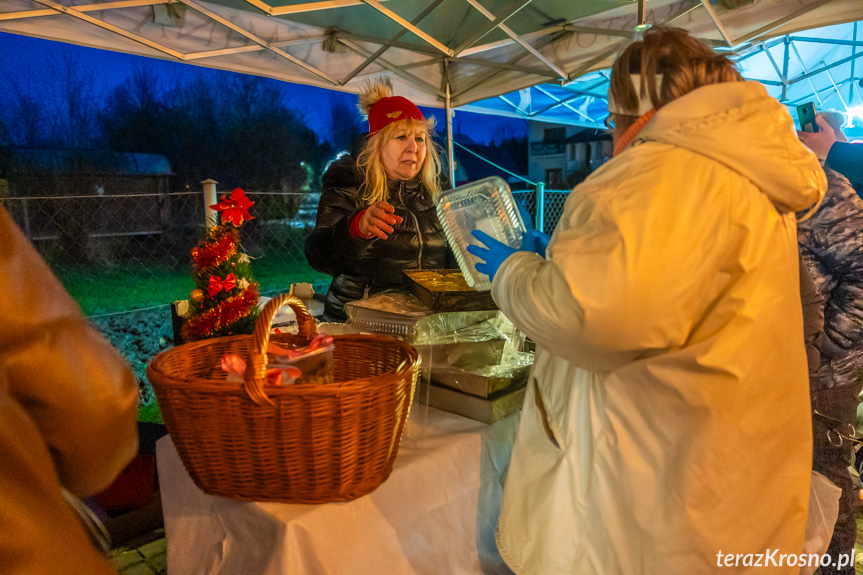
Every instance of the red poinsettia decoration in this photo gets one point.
(234, 208)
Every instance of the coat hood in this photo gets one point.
(739, 125)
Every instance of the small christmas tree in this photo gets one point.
(225, 298)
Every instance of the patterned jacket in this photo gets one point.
(831, 245)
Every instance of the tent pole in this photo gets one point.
(449, 144)
(784, 97)
(853, 83)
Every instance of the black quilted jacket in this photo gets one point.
(831, 245)
(375, 265)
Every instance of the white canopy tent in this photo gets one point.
(442, 53)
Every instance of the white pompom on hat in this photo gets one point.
(382, 108)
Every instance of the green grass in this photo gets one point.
(123, 288)
(134, 286)
(274, 275)
(149, 413)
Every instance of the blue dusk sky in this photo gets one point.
(26, 64)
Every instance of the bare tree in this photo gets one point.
(76, 104)
(135, 116)
(344, 126)
(28, 117)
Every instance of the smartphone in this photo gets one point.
(806, 115)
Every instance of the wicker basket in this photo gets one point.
(303, 443)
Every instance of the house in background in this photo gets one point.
(66, 172)
(86, 199)
(562, 155)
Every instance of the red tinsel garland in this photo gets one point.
(229, 311)
(210, 255)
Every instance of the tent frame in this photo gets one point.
(524, 51)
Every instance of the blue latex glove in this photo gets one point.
(525, 215)
(532, 240)
(492, 256)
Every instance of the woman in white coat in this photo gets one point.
(666, 423)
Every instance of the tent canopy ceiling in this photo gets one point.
(472, 49)
(823, 65)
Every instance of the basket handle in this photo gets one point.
(256, 366)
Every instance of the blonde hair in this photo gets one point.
(370, 161)
(683, 62)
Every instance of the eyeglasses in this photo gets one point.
(609, 121)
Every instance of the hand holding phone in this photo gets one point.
(820, 142)
(806, 115)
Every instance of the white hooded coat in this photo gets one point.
(667, 414)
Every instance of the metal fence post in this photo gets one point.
(540, 207)
(26, 219)
(210, 199)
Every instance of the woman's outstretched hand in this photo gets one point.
(378, 220)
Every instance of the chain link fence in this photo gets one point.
(116, 253)
(552, 202)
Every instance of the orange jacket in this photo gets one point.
(68, 405)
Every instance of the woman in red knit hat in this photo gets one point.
(376, 215)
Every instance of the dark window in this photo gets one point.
(554, 134)
(554, 179)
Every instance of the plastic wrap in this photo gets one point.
(285, 320)
(333, 328)
(391, 313)
(487, 381)
(315, 361)
(478, 353)
(467, 327)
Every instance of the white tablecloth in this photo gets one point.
(434, 515)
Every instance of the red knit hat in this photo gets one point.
(392, 109)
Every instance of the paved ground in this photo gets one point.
(858, 558)
(144, 555)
